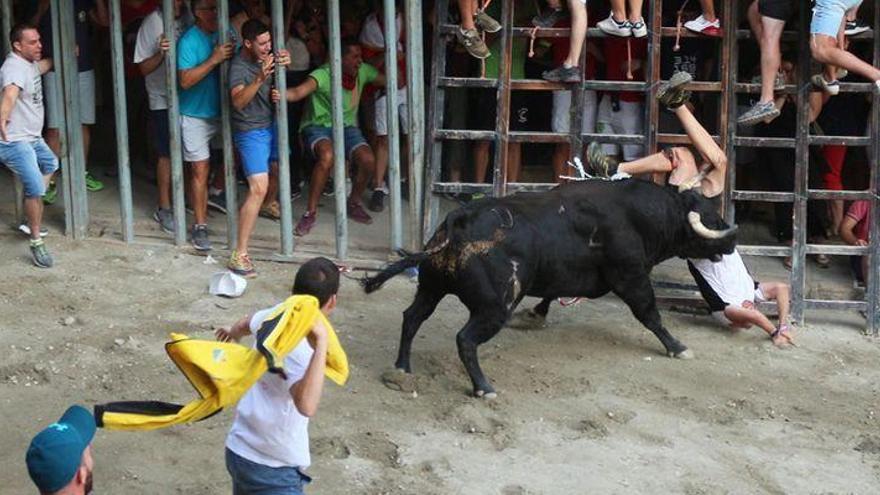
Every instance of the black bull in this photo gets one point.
(582, 239)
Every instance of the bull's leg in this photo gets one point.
(413, 317)
(637, 293)
(480, 328)
(532, 318)
(542, 307)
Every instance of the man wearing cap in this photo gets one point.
(59, 459)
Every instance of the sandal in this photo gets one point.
(271, 211)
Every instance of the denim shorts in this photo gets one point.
(30, 161)
(828, 16)
(252, 478)
(256, 148)
(352, 136)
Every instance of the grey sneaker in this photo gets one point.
(612, 27)
(40, 254)
(549, 18)
(472, 42)
(165, 218)
(830, 87)
(485, 22)
(760, 112)
(200, 239)
(671, 94)
(562, 74)
(598, 163)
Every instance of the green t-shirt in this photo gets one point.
(318, 111)
(523, 12)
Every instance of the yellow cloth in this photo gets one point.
(222, 372)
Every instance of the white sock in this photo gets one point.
(213, 191)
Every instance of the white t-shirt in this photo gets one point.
(146, 46)
(729, 278)
(26, 118)
(373, 35)
(268, 429)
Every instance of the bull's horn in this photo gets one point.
(706, 232)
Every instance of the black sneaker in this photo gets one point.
(549, 18)
(377, 201)
(329, 189)
(598, 163)
(562, 74)
(671, 94)
(200, 239)
(217, 201)
(855, 27)
(40, 254)
(296, 191)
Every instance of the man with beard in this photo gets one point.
(59, 459)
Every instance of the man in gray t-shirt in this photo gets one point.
(254, 133)
(22, 148)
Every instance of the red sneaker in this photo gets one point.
(357, 213)
(305, 224)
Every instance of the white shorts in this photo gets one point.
(197, 134)
(630, 119)
(86, 99)
(562, 112)
(382, 114)
(719, 315)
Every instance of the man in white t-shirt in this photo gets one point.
(149, 55)
(267, 448)
(22, 148)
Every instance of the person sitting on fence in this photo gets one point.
(568, 70)
(767, 19)
(317, 130)
(854, 231)
(726, 285)
(827, 45)
(471, 19)
(619, 24)
(707, 23)
(22, 148)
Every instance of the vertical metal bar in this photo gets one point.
(801, 163)
(502, 108)
(6, 19)
(174, 124)
(730, 62)
(231, 183)
(278, 39)
(390, 23)
(121, 115)
(873, 278)
(57, 64)
(69, 77)
(337, 104)
(415, 92)
(436, 107)
(652, 71)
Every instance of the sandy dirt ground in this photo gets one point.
(587, 405)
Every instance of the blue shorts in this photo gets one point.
(314, 134)
(30, 161)
(256, 148)
(159, 134)
(250, 478)
(828, 16)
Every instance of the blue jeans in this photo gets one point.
(352, 137)
(30, 161)
(250, 478)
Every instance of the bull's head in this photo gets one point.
(708, 236)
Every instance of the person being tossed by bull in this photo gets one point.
(726, 285)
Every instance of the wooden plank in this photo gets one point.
(764, 142)
(767, 196)
(844, 195)
(752, 250)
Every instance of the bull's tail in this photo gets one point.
(409, 260)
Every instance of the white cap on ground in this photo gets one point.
(227, 284)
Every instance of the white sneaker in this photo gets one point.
(639, 29)
(614, 28)
(700, 24)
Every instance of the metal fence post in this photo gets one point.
(64, 159)
(436, 109)
(6, 16)
(337, 104)
(121, 115)
(415, 92)
(170, 24)
(231, 182)
(279, 37)
(390, 22)
(801, 161)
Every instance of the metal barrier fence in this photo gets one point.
(728, 87)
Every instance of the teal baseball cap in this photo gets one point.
(56, 452)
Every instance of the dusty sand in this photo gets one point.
(588, 405)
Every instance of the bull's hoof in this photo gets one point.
(527, 319)
(482, 394)
(399, 380)
(685, 354)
